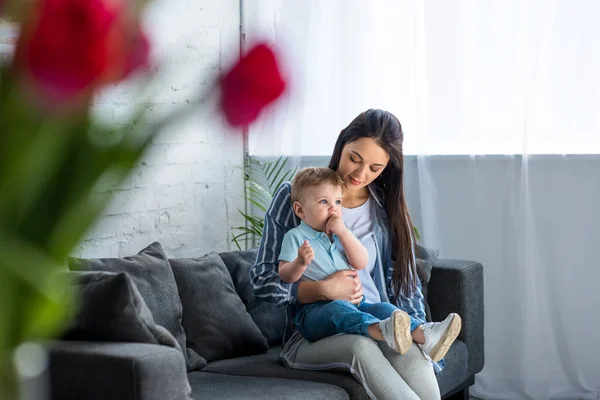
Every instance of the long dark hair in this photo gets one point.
(385, 129)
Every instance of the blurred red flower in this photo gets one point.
(72, 46)
(253, 82)
(138, 56)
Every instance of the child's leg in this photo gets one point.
(379, 310)
(384, 310)
(318, 320)
(395, 326)
(439, 336)
(417, 334)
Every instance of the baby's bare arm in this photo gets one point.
(291, 271)
(356, 253)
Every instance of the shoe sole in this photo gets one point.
(402, 335)
(440, 350)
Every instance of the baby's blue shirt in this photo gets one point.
(329, 257)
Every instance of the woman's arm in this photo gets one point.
(266, 282)
(341, 285)
(413, 302)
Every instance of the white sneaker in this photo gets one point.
(396, 331)
(439, 336)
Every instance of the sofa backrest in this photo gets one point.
(269, 318)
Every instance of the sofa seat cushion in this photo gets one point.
(219, 386)
(269, 365)
(455, 367)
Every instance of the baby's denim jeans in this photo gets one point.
(326, 318)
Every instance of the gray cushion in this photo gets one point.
(111, 309)
(425, 258)
(217, 386)
(215, 320)
(152, 275)
(269, 318)
(270, 365)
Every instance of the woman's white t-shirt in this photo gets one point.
(359, 221)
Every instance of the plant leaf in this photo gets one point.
(262, 180)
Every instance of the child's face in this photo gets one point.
(318, 203)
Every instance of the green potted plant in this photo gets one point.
(261, 179)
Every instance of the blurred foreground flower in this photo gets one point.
(251, 85)
(51, 160)
(68, 48)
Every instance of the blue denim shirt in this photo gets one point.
(267, 284)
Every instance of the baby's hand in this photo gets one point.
(305, 254)
(335, 224)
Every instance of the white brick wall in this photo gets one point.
(186, 192)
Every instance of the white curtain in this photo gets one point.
(500, 104)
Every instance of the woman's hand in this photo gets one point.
(343, 285)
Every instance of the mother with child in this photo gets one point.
(338, 251)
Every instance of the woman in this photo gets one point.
(368, 156)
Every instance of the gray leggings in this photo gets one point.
(384, 373)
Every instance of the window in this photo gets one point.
(490, 78)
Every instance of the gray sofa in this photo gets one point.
(91, 365)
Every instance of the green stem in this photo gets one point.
(9, 383)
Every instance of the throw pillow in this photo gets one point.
(152, 275)
(425, 258)
(215, 320)
(125, 318)
(269, 318)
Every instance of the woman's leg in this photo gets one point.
(415, 369)
(359, 354)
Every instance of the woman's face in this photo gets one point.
(362, 161)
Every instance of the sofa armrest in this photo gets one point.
(107, 370)
(457, 286)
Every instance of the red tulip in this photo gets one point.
(73, 46)
(139, 55)
(252, 84)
